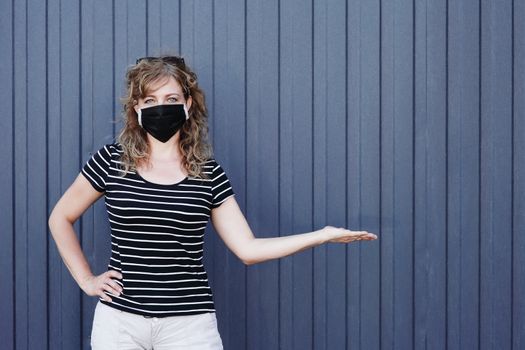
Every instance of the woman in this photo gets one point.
(161, 185)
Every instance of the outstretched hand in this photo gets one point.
(342, 235)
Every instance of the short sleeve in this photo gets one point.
(97, 167)
(221, 187)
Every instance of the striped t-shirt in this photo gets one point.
(157, 235)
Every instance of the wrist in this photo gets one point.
(324, 235)
(84, 281)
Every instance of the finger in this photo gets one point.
(114, 285)
(115, 274)
(367, 238)
(366, 234)
(355, 239)
(357, 233)
(351, 239)
(104, 296)
(111, 290)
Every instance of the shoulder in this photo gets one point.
(213, 166)
(208, 167)
(106, 153)
(213, 170)
(111, 150)
(114, 147)
(210, 162)
(221, 188)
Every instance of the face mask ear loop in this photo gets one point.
(139, 115)
(186, 112)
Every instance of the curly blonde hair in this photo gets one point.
(193, 145)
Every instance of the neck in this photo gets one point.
(164, 151)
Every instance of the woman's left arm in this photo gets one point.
(231, 225)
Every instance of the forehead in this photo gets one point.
(163, 86)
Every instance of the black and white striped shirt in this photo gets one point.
(157, 235)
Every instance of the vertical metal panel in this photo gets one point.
(359, 59)
(262, 175)
(335, 163)
(496, 176)
(386, 158)
(36, 166)
(54, 165)
(7, 200)
(295, 149)
(363, 172)
(229, 140)
(170, 25)
(401, 117)
(397, 226)
(319, 205)
(463, 164)
(463, 175)
(430, 174)
(20, 169)
(518, 184)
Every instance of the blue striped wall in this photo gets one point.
(402, 117)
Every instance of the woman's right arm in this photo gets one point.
(75, 201)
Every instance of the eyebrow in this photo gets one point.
(169, 94)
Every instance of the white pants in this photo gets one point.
(114, 329)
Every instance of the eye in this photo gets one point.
(173, 100)
(148, 101)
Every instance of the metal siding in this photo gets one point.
(463, 175)
(20, 180)
(337, 284)
(397, 151)
(319, 190)
(364, 177)
(262, 195)
(36, 183)
(55, 265)
(518, 184)
(401, 117)
(295, 142)
(7, 215)
(430, 234)
(229, 139)
(496, 181)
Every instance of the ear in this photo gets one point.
(189, 101)
(136, 107)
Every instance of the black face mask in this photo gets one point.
(163, 121)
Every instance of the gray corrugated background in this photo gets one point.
(402, 117)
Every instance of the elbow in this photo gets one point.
(247, 255)
(57, 219)
(52, 222)
(249, 262)
(252, 259)
(248, 259)
(245, 259)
